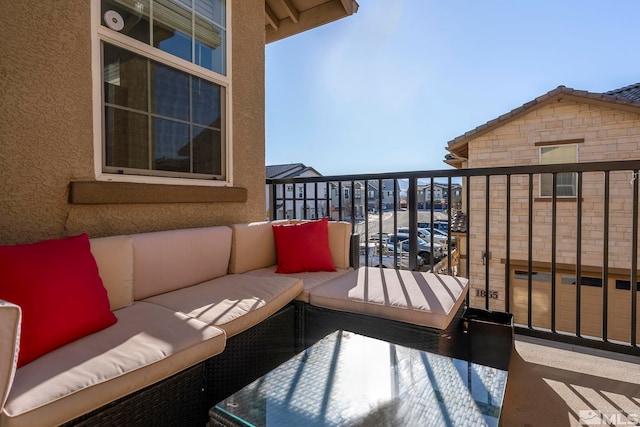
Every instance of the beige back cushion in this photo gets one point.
(340, 242)
(10, 317)
(164, 261)
(253, 246)
(114, 256)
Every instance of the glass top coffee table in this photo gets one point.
(347, 379)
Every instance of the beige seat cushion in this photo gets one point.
(309, 279)
(424, 299)
(234, 302)
(147, 344)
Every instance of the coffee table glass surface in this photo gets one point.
(347, 379)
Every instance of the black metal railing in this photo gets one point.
(510, 231)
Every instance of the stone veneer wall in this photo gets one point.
(608, 134)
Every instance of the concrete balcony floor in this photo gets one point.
(554, 384)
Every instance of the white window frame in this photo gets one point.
(99, 34)
(541, 175)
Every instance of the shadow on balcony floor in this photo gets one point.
(553, 384)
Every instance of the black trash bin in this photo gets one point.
(490, 336)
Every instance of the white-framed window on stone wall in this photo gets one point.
(164, 91)
(565, 182)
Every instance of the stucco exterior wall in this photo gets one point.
(608, 134)
(46, 128)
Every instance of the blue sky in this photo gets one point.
(384, 90)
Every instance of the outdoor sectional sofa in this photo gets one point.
(199, 313)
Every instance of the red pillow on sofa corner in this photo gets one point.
(57, 286)
(303, 247)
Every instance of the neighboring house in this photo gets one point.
(341, 199)
(363, 203)
(440, 195)
(113, 124)
(303, 196)
(385, 193)
(561, 126)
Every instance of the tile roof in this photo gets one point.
(631, 92)
(459, 222)
(278, 170)
(290, 170)
(626, 96)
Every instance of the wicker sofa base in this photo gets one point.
(317, 322)
(185, 398)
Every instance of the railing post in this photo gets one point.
(340, 196)
(468, 230)
(578, 256)
(449, 215)
(366, 223)
(380, 195)
(487, 247)
(395, 220)
(412, 196)
(507, 264)
(530, 257)
(431, 218)
(273, 188)
(554, 244)
(605, 260)
(634, 259)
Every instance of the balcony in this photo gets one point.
(555, 245)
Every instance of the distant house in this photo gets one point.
(341, 200)
(440, 195)
(562, 126)
(299, 198)
(363, 200)
(385, 193)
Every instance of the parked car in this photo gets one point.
(424, 248)
(438, 224)
(373, 258)
(425, 235)
(440, 237)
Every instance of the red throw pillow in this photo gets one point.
(303, 247)
(57, 286)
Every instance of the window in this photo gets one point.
(584, 281)
(346, 193)
(625, 285)
(536, 276)
(565, 181)
(164, 90)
